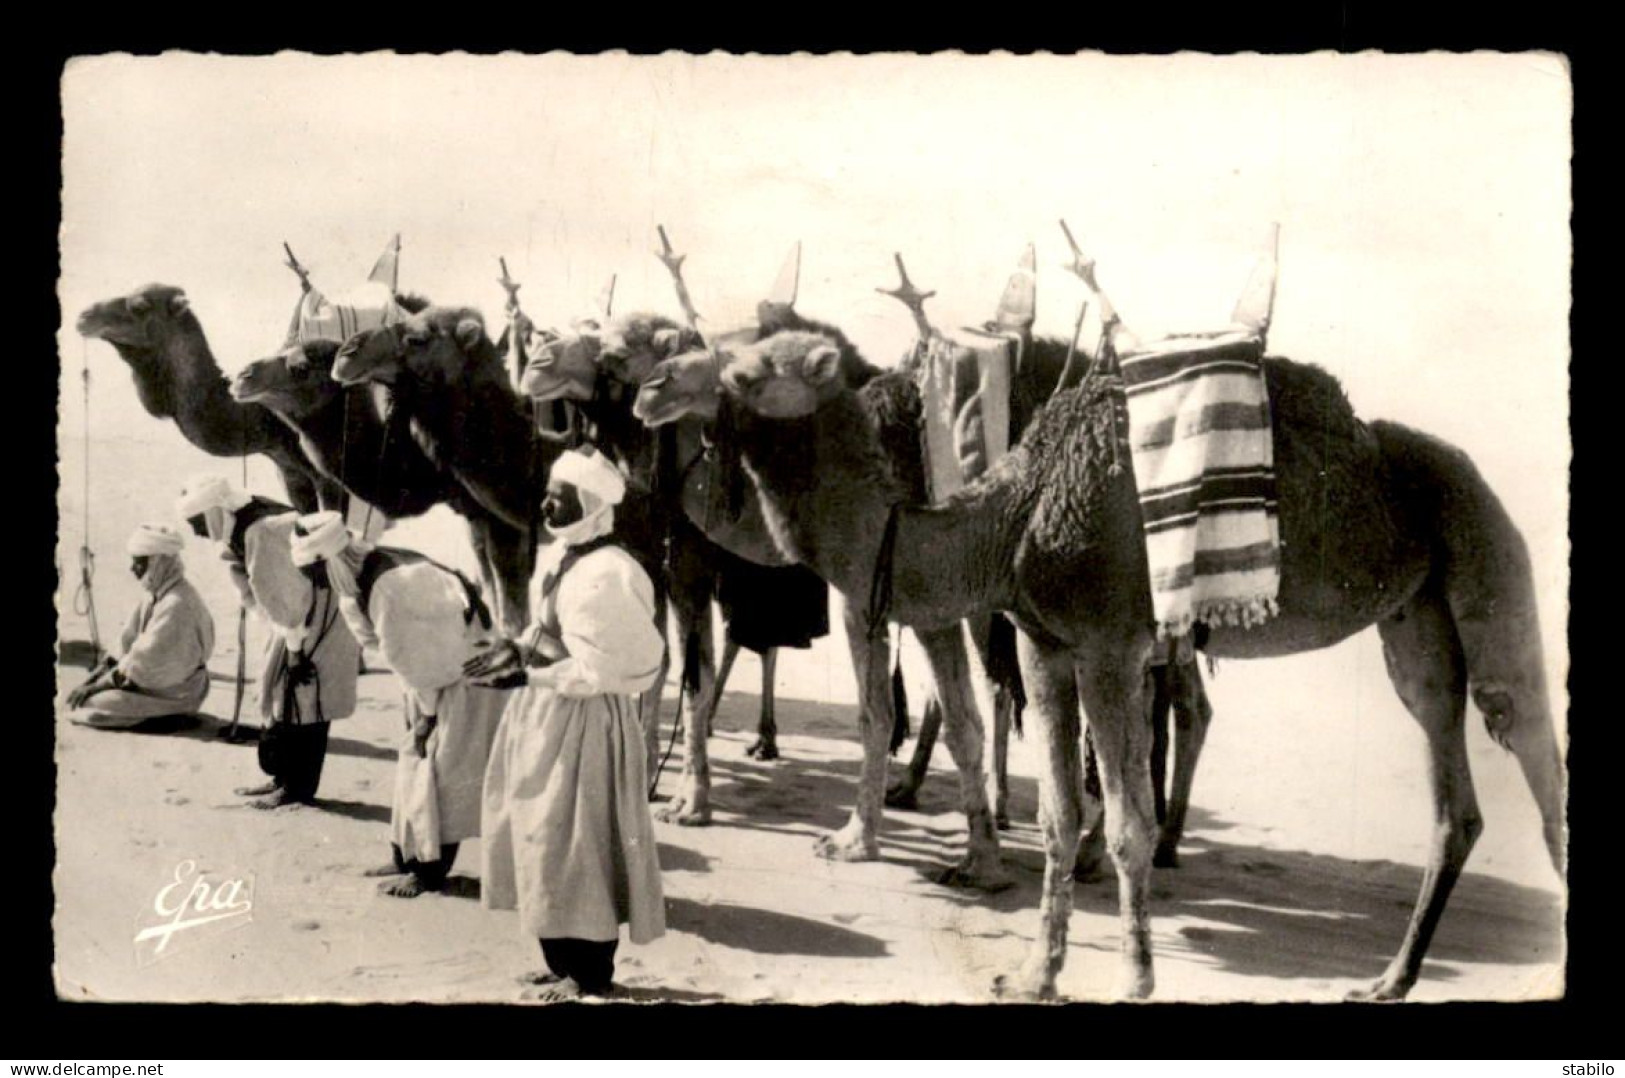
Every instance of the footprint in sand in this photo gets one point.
(177, 800)
(305, 926)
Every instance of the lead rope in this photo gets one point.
(242, 650)
(84, 599)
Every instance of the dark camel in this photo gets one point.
(448, 379)
(716, 546)
(155, 331)
(1379, 524)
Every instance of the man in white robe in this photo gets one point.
(567, 835)
(162, 665)
(311, 660)
(426, 620)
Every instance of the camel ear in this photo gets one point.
(822, 364)
(179, 304)
(469, 333)
(667, 342)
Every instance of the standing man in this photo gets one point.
(566, 828)
(164, 653)
(427, 620)
(311, 659)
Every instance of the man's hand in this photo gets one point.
(301, 671)
(502, 656)
(84, 692)
(421, 734)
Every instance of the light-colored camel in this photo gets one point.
(156, 333)
(1379, 525)
(448, 378)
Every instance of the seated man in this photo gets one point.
(165, 647)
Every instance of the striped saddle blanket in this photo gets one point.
(965, 388)
(368, 306)
(1199, 439)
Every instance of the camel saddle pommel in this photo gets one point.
(965, 384)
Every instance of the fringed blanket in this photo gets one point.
(1199, 435)
(368, 306)
(965, 387)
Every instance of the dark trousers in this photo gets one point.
(590, 963)
(293, 754)
(431, 874)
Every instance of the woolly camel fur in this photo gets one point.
(689, 385)
(1379, 525)
(448, 378)
(156, 333)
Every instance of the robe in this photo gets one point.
(300, 616)
(567, 835)
(418, 616)
(164, 652)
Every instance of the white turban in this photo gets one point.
(150, 539)
(318, 535)
(593, 474)
(210, 492)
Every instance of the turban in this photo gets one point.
(151, 539)
(593, 474)
(317, 536)
(210, 492)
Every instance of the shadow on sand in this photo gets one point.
(768, 932)
(1256, 912)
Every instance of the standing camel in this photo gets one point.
(1379, 525)
(448, 378)
(720, 551)
(155, 331)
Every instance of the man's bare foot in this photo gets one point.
(563, 990)
(540, 977)
(257, 791)
(278, 798)
(407, 886)
(385, 870)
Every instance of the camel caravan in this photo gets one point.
(1093, 523)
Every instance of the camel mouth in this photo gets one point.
(96, 324)
(247, 388)
(651, 411)
(540, 384)
(350, 368)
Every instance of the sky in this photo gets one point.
(1423, 202)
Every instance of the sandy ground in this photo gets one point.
(1303, 856)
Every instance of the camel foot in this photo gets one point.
(403, 887)
(850, 843)
(685, 810)
(905, 794)
(1031, 984)
(977, 874)
(763, 749)
(1390, 989)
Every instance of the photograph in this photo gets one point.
(921, 528)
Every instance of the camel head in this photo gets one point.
(140, 321)
(785, 376)
(632, 344)
(689, 384)
(564, 368)
(435, 347)
(295, 382)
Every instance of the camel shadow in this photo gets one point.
(769, 932)
(366, 750)
(680, 859)
(1298, 915)
(354, 810)
(655, 994)
(467, 887)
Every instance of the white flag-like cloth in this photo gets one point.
(338, 318)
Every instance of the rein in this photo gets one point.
(878, 612)
(84, 599)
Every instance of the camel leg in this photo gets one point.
(1111, 685)
(767, 731)
(1427, 667)
(691, 805)
(1052, 712)
(650, 700)
(859, 838)
(1003, 713)
(1158, 694)
(1090, 865)
(905, 792)
(1192, 715)
(507, 557)
(962, 729)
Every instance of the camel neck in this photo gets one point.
(828, 491)
(197, 396)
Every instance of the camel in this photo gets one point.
(155, 331)
(448, 378)
(719, 546)
(1379, 525)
